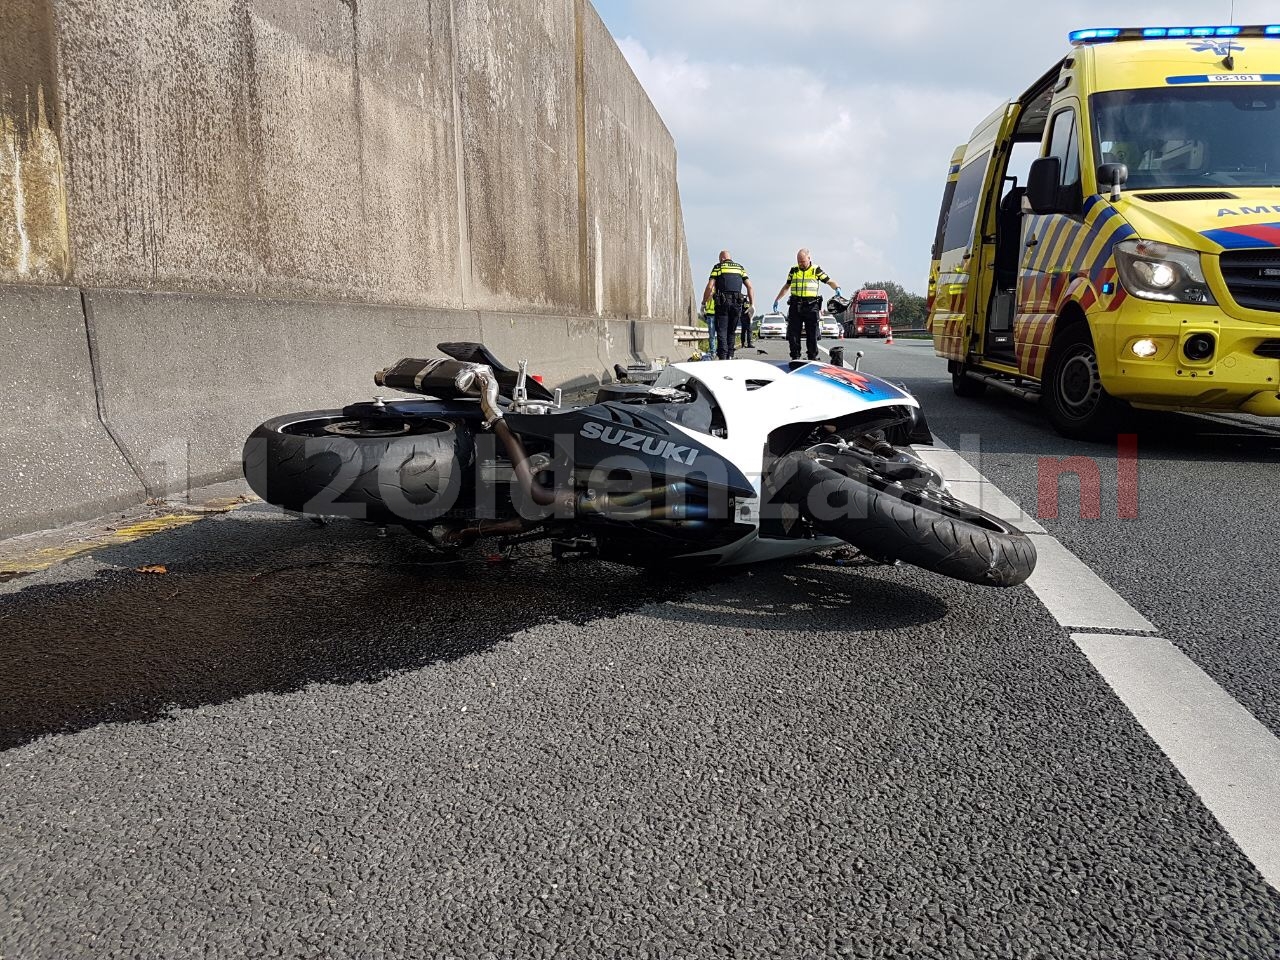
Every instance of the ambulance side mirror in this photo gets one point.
(1113, 175)
(1042, 185)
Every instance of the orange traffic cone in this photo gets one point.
(889, 339)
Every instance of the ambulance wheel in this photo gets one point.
(964, 385)
(1074, 398)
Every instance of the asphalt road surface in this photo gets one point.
(305, 741)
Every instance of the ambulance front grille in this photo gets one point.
(1253, 277)
(1268, 348)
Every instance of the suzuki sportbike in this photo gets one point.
(715, 463)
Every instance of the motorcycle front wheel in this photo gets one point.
(918, 523)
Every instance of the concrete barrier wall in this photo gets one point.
(635, 227)
(182, 423)
(261, 201)
(278, 148)
(33, 227)
(58, 461)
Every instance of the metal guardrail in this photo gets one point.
(692, 334)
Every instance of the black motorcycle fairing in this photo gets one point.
(607, 433)
(469, 352)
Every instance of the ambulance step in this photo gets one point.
(1026, 392)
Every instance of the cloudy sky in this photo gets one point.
(829, 123)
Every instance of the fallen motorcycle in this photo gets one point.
(715, 463)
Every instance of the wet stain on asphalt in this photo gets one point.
(337, 605)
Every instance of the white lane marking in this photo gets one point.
(955, 468)
(989, 497)
(1230, 759)
(971, 487)
(1075, 595)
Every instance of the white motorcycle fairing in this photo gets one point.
(756, 399)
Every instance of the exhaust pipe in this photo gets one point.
(565, 500)
(479, 377)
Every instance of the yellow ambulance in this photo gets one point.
(1139, 263)
(953, 175)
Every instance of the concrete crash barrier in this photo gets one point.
(318, 193)
(231, 363)
(59, 462)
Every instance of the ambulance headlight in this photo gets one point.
(1158, 271)
(1157, 276)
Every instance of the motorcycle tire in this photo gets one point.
(922, 526)
(326, 463)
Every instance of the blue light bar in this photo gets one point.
(1092, 34)
(1106, 34)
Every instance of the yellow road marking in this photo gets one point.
(46, 557)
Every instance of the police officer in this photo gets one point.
(731, 288)
(805, 304)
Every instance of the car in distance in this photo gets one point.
(829, 329)
(773, 326)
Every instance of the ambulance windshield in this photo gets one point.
(1184, 136)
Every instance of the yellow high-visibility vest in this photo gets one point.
(805, 280)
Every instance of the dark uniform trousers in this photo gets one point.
(802, 320)
(745, 323)
(728, 309)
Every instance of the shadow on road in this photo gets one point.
(270, 606)
(254, 603)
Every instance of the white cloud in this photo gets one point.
(830, 124)
(771, 160)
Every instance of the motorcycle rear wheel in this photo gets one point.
(387, 470)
